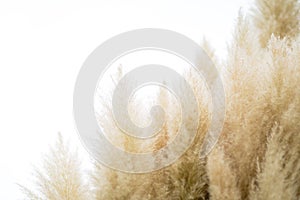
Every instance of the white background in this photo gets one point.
(42, 47)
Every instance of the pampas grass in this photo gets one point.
(261, 87)
(277, 17)
(222, 180)
(60, 177)
(258, 153)
(279, 173)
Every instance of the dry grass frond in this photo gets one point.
(279, 176)
(258, 153)
(278, 17)
(258, 96)
(242, 138)
(60, 178)
(112, 184)
(222, 180)
(186, 179)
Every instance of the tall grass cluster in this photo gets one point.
(257, 156)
